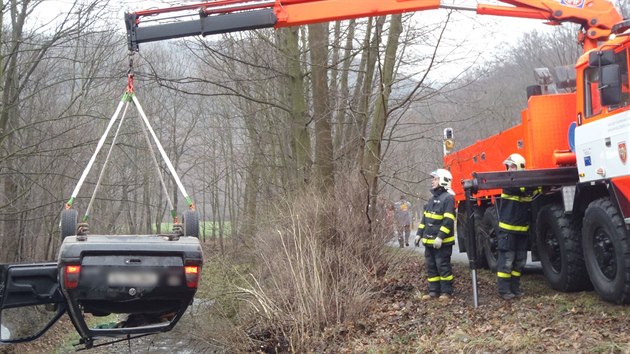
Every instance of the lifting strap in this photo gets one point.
(127, 97)
(109, 153)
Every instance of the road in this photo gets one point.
(458, 257)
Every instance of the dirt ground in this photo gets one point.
(543, 321)
(400, 322)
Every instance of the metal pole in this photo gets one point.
(471, 239)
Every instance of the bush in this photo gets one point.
(318, 258)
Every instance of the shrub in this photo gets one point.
(318, 257)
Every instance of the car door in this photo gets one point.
(30, 301)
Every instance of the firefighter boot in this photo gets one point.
(515, 287)
(430, 295)
(504, 288)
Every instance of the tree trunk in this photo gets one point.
(318, 44)
(372, 157)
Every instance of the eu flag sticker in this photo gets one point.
(587, 160)
(573, 3)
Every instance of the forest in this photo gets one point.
(290, 142)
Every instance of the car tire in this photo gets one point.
(191, 223)
(606, 246)
(560, 250)
(68, 223)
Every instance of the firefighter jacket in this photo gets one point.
(438, 219)
(514, 209)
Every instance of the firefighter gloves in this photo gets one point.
(437, 243)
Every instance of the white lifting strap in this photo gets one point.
(98, 148)
(162, 152)
(109, 153)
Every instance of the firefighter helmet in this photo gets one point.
(444, 177)
(515, 159)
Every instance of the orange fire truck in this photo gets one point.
(575, 142)
(576, 147)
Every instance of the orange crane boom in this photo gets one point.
(222, 16)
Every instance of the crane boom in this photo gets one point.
(222, 16)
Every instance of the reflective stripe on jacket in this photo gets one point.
(514, 209)
(438, 219)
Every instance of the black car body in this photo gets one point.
(137, 285)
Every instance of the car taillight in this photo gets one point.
(71, 276)
(192, 275)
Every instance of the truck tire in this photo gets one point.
(560, 250)
(68, 223)
(606, 248)
(191, 223)
(462, 220)
(489, 227)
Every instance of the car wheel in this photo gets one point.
(191, 223)
(68, 223)
(607, 251)
(560, 250)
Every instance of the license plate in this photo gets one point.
(132, 279)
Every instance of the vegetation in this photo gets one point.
(290, 142)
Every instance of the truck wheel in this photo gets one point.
(607, 251)
(462, 220)
(191, 223)
(560, 250)
(489, 228)
(68, 223)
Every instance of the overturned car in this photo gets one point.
(110, 286)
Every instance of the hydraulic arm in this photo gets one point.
(222, 16)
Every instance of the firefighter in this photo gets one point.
(436, 234)
(403, 220)
(514, 210)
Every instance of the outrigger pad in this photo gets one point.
(133, 284)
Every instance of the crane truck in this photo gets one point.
(576, 144)
(575, 141)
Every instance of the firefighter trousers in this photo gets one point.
(511, 262)
(439, 269)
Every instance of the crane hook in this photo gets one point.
(130, 74)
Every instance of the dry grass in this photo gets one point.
(318, 263)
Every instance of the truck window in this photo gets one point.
(592, 99)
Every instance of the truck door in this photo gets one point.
(603, 139)
(31, 301)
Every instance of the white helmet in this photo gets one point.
(444, 177)
(515, 159)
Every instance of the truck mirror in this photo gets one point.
(533, 90)
(610, 85)
(601, 58)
